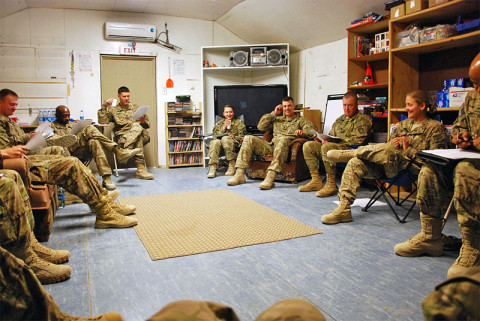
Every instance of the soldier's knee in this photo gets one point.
(10, 173)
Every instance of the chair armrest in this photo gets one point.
(268, 136)
(297, 144)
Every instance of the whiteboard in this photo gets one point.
(333, 110)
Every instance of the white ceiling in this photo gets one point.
(302, 23)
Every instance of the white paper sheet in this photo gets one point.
(42, 127)
(453, 153)
(36, 142)
(81, 124)
(142, 110)
(362, 202)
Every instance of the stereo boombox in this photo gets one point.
(259, 56)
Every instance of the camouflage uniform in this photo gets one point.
(385, 160)
(237, 129)
(283, 135)
(129, 133)
(434, 181)
(455, 299)
(16, 221)
(23, 297)
(12, 134)
(353, 130)
(90, 143)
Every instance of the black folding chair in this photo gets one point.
(403, 178)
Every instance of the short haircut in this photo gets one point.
(287, 98)
(5, 92)
(351, 94)
(123, 89)
(228, 106)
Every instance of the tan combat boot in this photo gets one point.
(231, 168)
(268, 182)
(108, 183)
(62, 141)
(142, 172)
(470, 251)
(238, 178)
(113, 195)
(314, 185)
(107, 217)
(123, 209)
(342, 214)
(428, 241)
(46, 253)
(341, 155)
(46, 272)
(330, 187)
(110, 316)
(123, 155)
(212, 173)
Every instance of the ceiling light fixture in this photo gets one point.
(166, 44)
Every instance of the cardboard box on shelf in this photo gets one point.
(432, 3)
(456, 96)
(415, 5)
(398, 11)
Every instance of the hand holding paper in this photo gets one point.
(142, 110)
(78, 126)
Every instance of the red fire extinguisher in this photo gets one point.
(368, 76)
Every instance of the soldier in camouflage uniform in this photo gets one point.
(16, 225)
(455, 299)
(285, 129)
(129, 133)
(76, 178)
(24, 298)
(434, 181)
(354, 128)
(12, 134)
(416, 133)
(227, 133)
(91, 143)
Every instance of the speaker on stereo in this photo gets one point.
(238, 58)
(276, 57)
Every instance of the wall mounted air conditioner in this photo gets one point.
(130, 31)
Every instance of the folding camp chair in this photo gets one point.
(383, 185)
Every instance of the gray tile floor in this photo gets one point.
(350, 271)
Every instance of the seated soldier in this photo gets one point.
(353, 127)
(91, 143)
(227, 133)
(416, 133)
(16, 226)
(76, 178)
(434, 181)
(12, 134)
(129, 133)
(285, 129)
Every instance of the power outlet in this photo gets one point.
(164, 90)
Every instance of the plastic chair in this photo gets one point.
(403, 178)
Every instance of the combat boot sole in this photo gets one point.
(109, 186)
(237, 180)
(310, 187)
(416, 247)
(115, 221)
(334, 218)
(125, 155)
(144, 175)
(326, 192)
(62, 141)
(266, 186)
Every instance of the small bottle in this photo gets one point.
(61, 196)
(40, 116)
(82, 115)
(49, 115)
(54, 115)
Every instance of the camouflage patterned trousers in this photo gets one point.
(372, 161)
(92, 143)
(23, 297)
(253, 144)
(434, 182)
(135, 137)
(51, 150)
(315, 151)
(16, 212)
(68, 172)
(228, 144)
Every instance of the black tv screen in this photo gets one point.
(250, 101)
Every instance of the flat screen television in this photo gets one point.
(251, 101)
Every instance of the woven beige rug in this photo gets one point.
(179, 224)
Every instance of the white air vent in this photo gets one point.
(129, 31)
